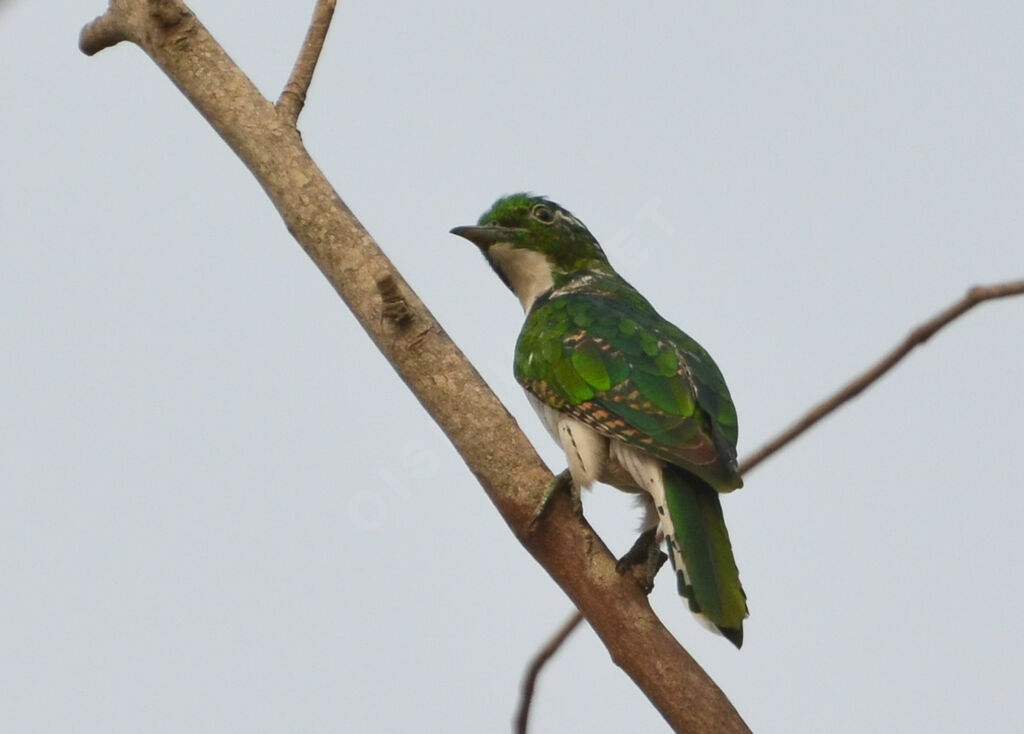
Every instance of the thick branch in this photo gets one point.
(919, 335)
(448, 387)
(293, 97)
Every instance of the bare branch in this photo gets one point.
(104, 32)
(533, 670)
(124, 19)
(919, 335)
(293, 97)
(447, 386)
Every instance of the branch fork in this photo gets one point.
(128, 20)
(293, 96)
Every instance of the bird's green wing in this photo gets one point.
(603, 355)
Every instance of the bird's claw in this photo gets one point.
(643, 560)
(561, 483)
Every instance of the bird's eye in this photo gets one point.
(543, 214)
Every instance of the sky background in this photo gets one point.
(221, 511)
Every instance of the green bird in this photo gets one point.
(632, 400)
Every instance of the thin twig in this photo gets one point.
(293, 96)
(919, 335)
(542, 656)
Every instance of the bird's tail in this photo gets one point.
(701, 554)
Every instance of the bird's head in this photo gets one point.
(534, 244)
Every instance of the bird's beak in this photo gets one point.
(483, 237)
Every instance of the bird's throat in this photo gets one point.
(528, 272)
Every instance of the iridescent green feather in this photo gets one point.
(603, 351)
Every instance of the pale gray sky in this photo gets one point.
(221, 511)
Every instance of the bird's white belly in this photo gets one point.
(593, 457)
(596, 458)
(585, 448)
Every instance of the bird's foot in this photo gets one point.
(643, 560)
(561, 483)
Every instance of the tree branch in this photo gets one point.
(919, 335)
(541, 658)
(538, 662)
(447, 386)
(124, 19)
(293, 96)
(103, 32)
